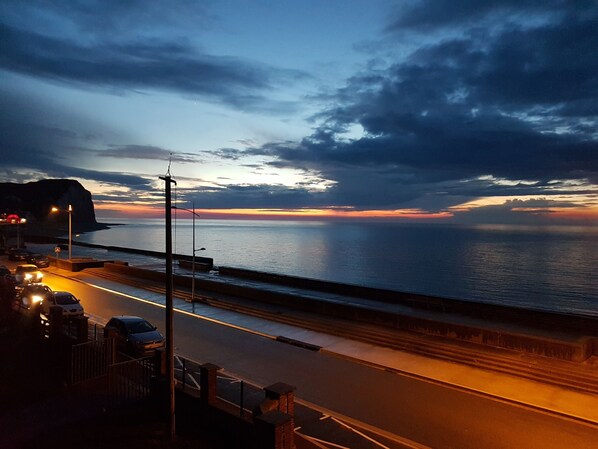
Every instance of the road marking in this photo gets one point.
(328, 443)
(201, 317)
(367, 437)
(375, 430)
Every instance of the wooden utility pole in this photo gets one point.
(169, 309)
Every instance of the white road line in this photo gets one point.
(367, 437)
(201, 317)
(328, 443)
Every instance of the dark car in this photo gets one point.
(17, 254)
(34, 293)
(38, 259)
(134, 335)
(4, 271)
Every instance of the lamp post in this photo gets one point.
(19, 221)
(70, 211)
(192, 211)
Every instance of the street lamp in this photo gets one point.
(192, 211)
(19, 222)
(70, 211)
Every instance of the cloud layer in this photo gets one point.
(458, 101)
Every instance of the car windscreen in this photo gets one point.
(138, 327)
(65, 300)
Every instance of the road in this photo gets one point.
(427, 412)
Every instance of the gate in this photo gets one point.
(90, 360)
(131, 380)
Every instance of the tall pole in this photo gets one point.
(70, 232)
(169, 311)
(193, 259)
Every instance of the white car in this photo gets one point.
(70, 305)
(27, 274)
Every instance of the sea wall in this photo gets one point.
(552, 321)
(207, 263)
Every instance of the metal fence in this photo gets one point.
(90, 360)
(125, 381)
(237, 393)
(131, 380)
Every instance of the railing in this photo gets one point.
(131, 380)
(242, 396)
(90, 360)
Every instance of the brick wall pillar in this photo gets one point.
(284, 394)
(274, 430)
(56, 322)
(208, 383)
(110, 339)
(82, 329)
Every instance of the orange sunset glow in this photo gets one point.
(132, 210)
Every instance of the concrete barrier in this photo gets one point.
(492, 312)
(76, 264)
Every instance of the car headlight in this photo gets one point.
(39, 276)
(36, 298)
(28, 276)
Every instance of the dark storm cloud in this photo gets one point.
(136, 66)
(515, 103)
(425, 15)
(46, 162)
(27, 144)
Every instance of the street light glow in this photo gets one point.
(70, 212)
(192, 211)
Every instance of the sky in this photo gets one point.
(433, 110)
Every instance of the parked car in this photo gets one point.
(70, 305)
(27, 274)
(134, 335)
(34, 293)
(39, 260)
(4, 271)
(17, 254)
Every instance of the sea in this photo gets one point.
(551, 268)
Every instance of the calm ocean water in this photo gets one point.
(549, 268)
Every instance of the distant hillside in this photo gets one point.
(34, 201)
